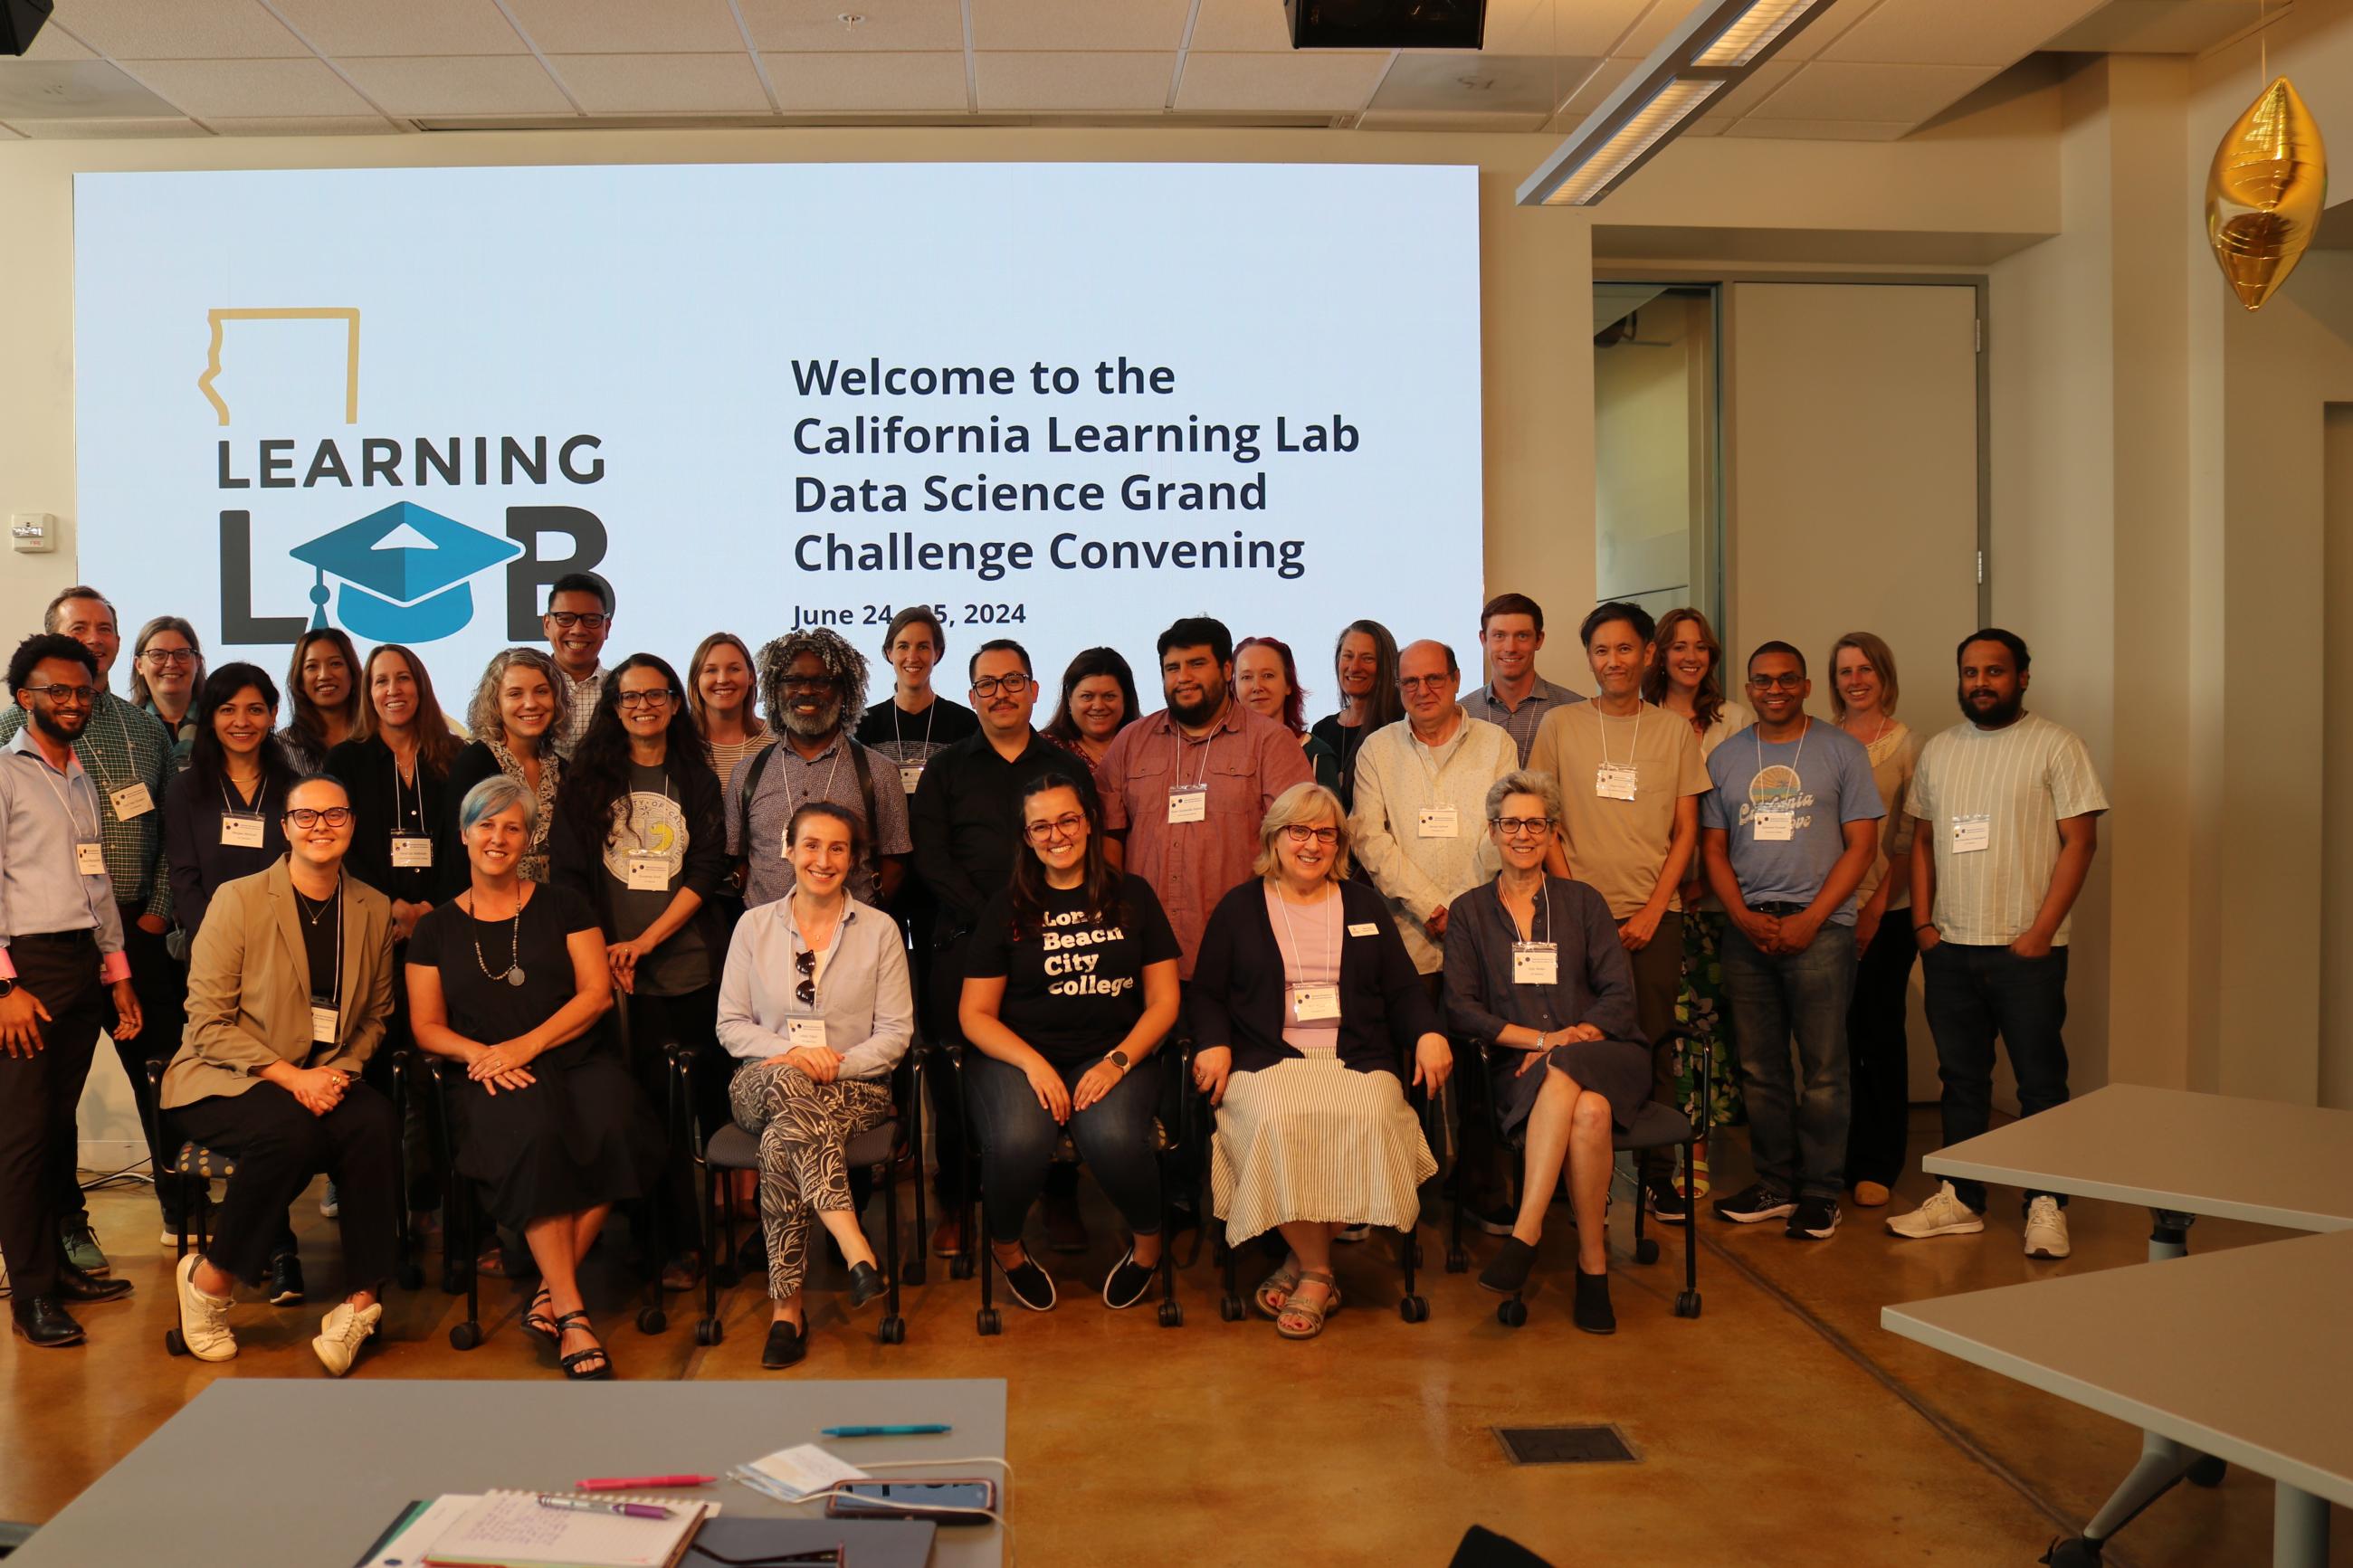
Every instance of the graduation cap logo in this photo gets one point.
(404, 572)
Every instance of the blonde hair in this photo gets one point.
(1883, 659)
(1305, 805)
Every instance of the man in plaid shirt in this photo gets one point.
(127, 753)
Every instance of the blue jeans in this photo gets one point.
(1017, 1136)
(1797, 1123)
(1975, 993)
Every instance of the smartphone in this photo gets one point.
(939, 1502)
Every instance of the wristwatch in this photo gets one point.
(1118, 1059)
(7, 988)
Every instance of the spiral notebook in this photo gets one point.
(509, 1530)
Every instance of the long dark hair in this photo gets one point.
(436, 746)
(1383, 705)
(308, 717)
(1707, 702)
(1100, 884)
(596, 785)
(208, 758)
(1091, 663)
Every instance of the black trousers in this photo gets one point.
(1658, 968)
(1878, 1054)
(38, 1097)
(161, 983)
(690, 1019)
(278, 1146)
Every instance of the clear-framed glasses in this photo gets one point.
(1300, 833)
(310, 817)
(80, 695)
(1789, 682)
(168, 655)
(657, 697)
(1516, 826)
(1422, 682)
(1011, 685)
(595, 620)
(1060, 828)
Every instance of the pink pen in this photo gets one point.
(638, 1483)
(595, 1505)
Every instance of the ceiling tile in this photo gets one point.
(1666, 15)
(1134, 83)
(1424, 81)
(1941, 32)
(1820, 129)
(1584, 95)
(1314, 79)
(2159, 27)
(406, 27)
(457, 85)
(1827, 90)
(1244, 27)
(1563, 26)
(1752, 89)
(107, 130)
(54, 43)
(182, 30)
(816, 26)
(76, 89)
(320, 125)
(1417, 121)
(1105, 25)
(206, 88)
(628, 26)
(662, 84)
(869, 83)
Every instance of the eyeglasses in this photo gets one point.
(990, 685)
(1061, 827)
(805, 962)
(170, 656)
(1512, 827)
(1422, 683)
(807, 683)
(567, 619)
(308, 816)
(1785, 682)
(654, 699)
(81, 696)
(1300, 834)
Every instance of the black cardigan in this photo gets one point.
(575, 851)
(366, 768)
(1237, 991)
(193, 851)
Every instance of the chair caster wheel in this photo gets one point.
(988, 1321)
(706, 1331)
(1172, 1315)
(652, 1320)
(912, 1273)
(1687, 1304)
(1229, 1309)
(1458, 1261)
(2208, 1472)
(960, 1267)
(2080, 1552)
(892, 1331)
(1512, 1314)
(1414, 1310)
(464, 1336)
(1646, 1250)
(173, 1342)
(410, 1277)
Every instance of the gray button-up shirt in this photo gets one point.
(862, 992)
(790, 781)
(43, 814)
(1522, 723)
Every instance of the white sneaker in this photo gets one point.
(330, 1202)
(1352, 1233)
(342, 1332)
(1943, 1215)
(204, 1320)
(2046, 1229)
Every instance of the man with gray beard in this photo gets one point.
(814, 685)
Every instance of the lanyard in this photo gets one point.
(1531, 935)
(1759, 730)
(1431, 767)
(1177, 765)
(399, 811)
(1636, 749)
(1295, 957)
(840, 744)
(335, 994)
(229, 806)
(635, 831)
(65, 802)
(930, 714)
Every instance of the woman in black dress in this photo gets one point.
(510, 978)
(1534, 967)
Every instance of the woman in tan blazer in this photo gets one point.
(289, 988)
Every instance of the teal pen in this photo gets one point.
(916, 1431)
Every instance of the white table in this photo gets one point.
(2179, 1154)
(261, 1472)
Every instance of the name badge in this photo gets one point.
(648, 874)
(1363, 928)
(1971, 834)
(411, 851)
(240, 832)
(1614, 781)
(1776, 827)
(806, 1032)
(323, 1021)
(1188, 803)
(910, 775)
(1438, 822)
(1535, 964)
(89, 858)
(132, 800)
(1309, 1003)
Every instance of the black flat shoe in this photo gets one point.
(1128, 1282)
(1591, 1311)
(1031, 1286)
(1506, 1273)
(43, 1320)
(786, 1347)
(866, 1282)
(75, 1285)
(285, 1280)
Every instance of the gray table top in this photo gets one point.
(2239, 1353)
(2255, 1159)
(305, 1473)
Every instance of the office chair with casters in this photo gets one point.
(1656, 1126)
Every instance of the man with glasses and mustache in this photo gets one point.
(2010, 803)
(966, 830)
(127, 753)
(579, 619)
(814, 686)
(61, 957)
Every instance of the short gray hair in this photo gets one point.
(1525, 781)
(482, 710)
(493, 795)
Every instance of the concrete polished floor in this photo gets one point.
(1781, 1427)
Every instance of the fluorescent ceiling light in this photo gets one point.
(1714, 49)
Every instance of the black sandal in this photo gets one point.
(538, 1324)
(572, 1364)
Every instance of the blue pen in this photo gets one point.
(916, 1431)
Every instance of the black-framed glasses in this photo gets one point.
(1300, 833)
(1011, 685)
(82, 696)
(807, 683)
(310, 817)
(1061, 827)
(805, 962)
(170, 656)
(595, 620)
(653, 698)
(1512, 827)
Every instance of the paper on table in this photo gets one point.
(507, 1529)
(423, 1529)
(796, 1472)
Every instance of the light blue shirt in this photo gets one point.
(43, 814)
(1822, 779)
(862, 993)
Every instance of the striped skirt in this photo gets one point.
(1309, 1140)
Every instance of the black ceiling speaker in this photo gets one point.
(19, 20)
(1383, 24)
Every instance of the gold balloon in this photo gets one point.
(2265, 193)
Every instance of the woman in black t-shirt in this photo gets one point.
(1069, 984)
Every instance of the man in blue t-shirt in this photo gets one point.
(1787, 832)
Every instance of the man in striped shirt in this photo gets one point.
(2010, 803)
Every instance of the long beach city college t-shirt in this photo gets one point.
(1074, 988)
(1822, 780)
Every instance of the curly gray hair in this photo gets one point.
(1525, 781)
(844, 663)
(483, 720)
